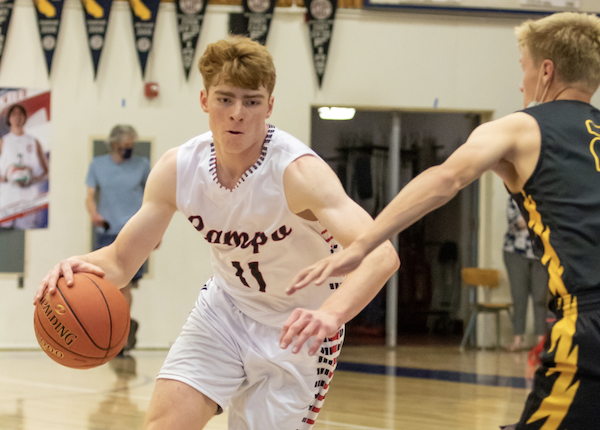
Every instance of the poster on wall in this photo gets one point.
(24, 158)
(96, 21)
(190, 14)
(6, 8)
(49, 13)
(320, 16)
(144, 20)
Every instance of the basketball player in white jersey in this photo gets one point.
(22, 165)
(268, 206)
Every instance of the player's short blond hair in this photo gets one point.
(571, 41)
(237, 61)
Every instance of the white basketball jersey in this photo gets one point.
(18, 151)
(258, 244)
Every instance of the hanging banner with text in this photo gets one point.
(320, 16)
(258, 14)
(144, 20)
(6, 8)
(49, 14)
(190, 14)
(96, 21)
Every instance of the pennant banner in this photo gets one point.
(6, 8)
(190, 14)
(144, 20)
(320, 16)
(96, 21)
(49, 14)
(259, 14)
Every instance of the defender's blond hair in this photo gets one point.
(571, 41)
(237, 61)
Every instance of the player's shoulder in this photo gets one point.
(284, 141)
(200, 140)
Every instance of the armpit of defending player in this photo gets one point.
(548, 157)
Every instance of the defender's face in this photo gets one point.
(531, 77)
(236, 116)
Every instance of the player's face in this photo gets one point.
(237, 116)
(531, 78)
(17, 118)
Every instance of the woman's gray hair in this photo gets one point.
(120, 133)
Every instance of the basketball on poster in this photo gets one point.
(24, 157)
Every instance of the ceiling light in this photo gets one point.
(337, 113)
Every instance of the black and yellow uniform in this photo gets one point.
(561, 203)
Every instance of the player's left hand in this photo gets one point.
(305, 324)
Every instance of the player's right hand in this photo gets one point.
(65, 268)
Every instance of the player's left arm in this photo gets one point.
(313, 189)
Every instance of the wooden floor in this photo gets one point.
(410, 387)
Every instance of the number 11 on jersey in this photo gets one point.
(254, 270)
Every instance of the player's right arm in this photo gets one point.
(119, 261)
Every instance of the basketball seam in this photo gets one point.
(109, 315)
(83, 327)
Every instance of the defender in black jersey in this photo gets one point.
(548, 157)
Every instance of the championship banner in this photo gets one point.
(49, 14)
(190, 14)
(320, 17)
(259, 14)
(144, 20)
(25, 133)
(96, 21)
(6, 8)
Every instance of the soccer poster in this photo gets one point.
(24, 158)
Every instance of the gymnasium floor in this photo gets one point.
(411, 387)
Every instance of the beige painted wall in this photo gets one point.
(376, 59)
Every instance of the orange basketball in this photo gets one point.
(82, 326)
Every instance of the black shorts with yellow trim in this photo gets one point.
(566, 386)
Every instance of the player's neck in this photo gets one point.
(232, 166)
(570, 93)
(19, 131)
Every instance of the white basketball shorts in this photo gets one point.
(237, 362)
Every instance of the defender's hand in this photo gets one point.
(306, 324)
(65, 268)
(337, 264)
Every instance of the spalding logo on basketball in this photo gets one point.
(82, 326)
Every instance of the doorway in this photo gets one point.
(428, 303)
